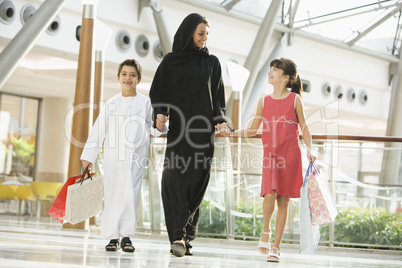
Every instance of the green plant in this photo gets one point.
(22, 154)
(213, 220)
(249, 226)
(352, 225)
(360, 225)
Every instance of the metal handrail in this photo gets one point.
(332, 140)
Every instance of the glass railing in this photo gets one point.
(370, 212)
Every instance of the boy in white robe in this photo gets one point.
(123, 127)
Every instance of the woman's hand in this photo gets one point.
(161, 119)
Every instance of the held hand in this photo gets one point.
(311, 157)
(223, 129)
(161, 119)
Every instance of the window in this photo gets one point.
(18, 135)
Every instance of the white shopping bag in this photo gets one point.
(322, 207)
(84, 200)
(309, 233)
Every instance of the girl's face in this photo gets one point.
(276, 75)
(200, 35)
(128, 78)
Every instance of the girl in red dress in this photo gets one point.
(281, 113)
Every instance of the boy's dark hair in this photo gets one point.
(133, 63)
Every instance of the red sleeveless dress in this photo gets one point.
(282, 164)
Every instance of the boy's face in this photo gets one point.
(128, 78)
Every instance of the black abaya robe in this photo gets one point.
(180, 89)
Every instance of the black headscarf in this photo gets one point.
(182, 72)
(186, 69)
(183, 37)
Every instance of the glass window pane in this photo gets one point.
(18, 124)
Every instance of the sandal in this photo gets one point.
(262, 244)
(126, 245)
(113, 245)
(178, 249)
(274, 255)
(188, 249)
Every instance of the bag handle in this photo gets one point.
(311, 168)
(85, 172)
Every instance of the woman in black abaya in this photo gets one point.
(187, 89)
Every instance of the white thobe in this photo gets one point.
(123, 127)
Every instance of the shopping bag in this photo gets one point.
(84, 200)
(57, 209)
(309, 233)
(322, 207)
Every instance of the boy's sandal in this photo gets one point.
(262, 244)
(126, 245)
(113, 245)
(274, 255)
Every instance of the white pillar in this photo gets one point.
(260, 44)
(392, 164)
(25, 39)
(53, 146)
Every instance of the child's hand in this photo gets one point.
(86, 164)
(160, 121)
(223, 129)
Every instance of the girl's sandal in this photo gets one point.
(263, 245)
(113, 245)
(274, 255)
(126, 245)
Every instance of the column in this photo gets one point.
(25, 39)
(81, 115)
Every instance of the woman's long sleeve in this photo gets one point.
(158, 92)
(218, 92)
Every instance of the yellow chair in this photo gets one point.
(24, 194)
(44, 191)
(59, 189)
(7, 194)
(14, 187)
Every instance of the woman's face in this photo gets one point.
(200, 35)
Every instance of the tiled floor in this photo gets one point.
(31, 242)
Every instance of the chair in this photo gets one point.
(59, 189)
(7, 194)
(44, 191)
(24, 194)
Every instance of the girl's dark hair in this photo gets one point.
(133, 63)
(289, 68)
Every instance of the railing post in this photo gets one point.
(154, 193)
(332, 225)
(228, 199)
